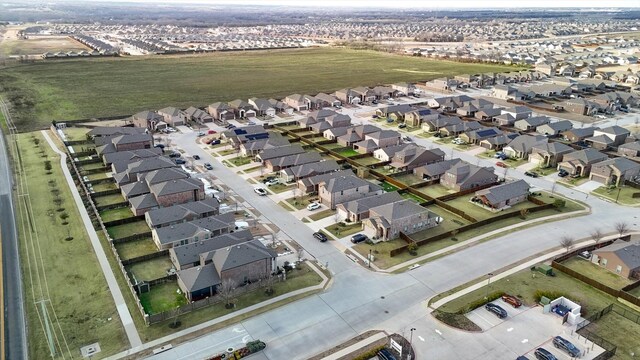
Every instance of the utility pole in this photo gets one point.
(489, 275)
(409, 357)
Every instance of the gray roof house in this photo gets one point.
(387, 221)
(505, 195)
(531, 123)
(413, 156)
(521, 146)
(465, 176)
(358, 210)
(548, 154)
(186, 256)
(614, 171)
(277, 152)
(621, 257)
(340, 189)
(580, 162)
(281, 163)
(309, 169)
(128, 157)
(554, 128)
(193, 231)
(182, 212)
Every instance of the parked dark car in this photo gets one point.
(215, 142)
(522, 358)
(175, 154)
(563, 173)
(268, 178)
(320, 236)
(497, 310)
(196, 157)
(161, 146)
(544, 354)
(179, 161)
(566, 346)
(531, 174)
(385, 354)
(512, 300)
(389, 121)
(358, 238)
(402, 126)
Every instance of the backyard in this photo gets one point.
(162, 297)
(124, 230)
(115, 214)
(132, 249)
(71, 267)
(109, 86)
(595, 272)
(435, 190)
(620, 331)
(108, 200)
(151, 269)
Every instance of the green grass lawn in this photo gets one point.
(341, 229)
(301, 202)
(408, 179)
(227, 152)
(624, 197)
(116, 214)
(252, 169)
(92, 166)
(98, 176)
(635, 292)
(479, 213)
(333, 146)
(76, 287)
(388, 187)
(84, 88)
(76, 133)
(621, 332)
(40, 45)
(366, 161)
(151, 269)
(348, 152)
(132, 249)
(162, 297)
(596, 272)
(240, 160)
(121, 231)
(545, 171)
(322, 214)
(435, 190)
(104, 186)
(279, 188)
(108, 200)
(410, 196)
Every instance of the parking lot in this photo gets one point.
(527, 328)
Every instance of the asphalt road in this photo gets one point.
(15, 339)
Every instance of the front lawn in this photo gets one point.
(121, 231)
(342, 229)
(322, 214)
(279, 188)
(595, 272)
(240, 160)
(623, 195)
(301, 202)
(116, 214)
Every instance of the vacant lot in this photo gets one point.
(65, 273)
(85, 88)
(39, 46)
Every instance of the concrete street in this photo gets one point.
(360, 300)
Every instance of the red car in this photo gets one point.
(512, 300)
(501, 164)
(211, 132)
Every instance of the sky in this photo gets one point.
(418, 3)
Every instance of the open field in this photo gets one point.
(621, 332)
(41, 45)
(84, 88)
(75, 287)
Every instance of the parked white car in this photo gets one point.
(313, 206)
(260, 191)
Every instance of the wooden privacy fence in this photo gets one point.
(111, 206)
(133, 237)
(124, 221)
(146, 257)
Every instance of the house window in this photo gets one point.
(618, 269)
(603, 262)
(405, 228)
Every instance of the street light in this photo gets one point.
(410, 342)
(369, 258)
(489, 275)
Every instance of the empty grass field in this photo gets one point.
(85, 88)
(75, 286)
(39, 46)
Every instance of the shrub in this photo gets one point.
(548, 294)
(559, 203)
(369, 354)
(480, 302)
(413, 249)
(255, 346)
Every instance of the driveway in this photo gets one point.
(588, 186)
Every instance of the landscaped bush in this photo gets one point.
(480, 302)
(369, 354)
(458, 321)
(548, 294)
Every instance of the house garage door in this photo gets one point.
(599, 178)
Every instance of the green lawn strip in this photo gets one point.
(341, 229)
(301, 202)
(425, 135)
(124, 230)
(595, 272)
(98, 176)
(240, 160)
(77, 289)
(92, 166)
(621, 332)
(635, 292)
(162, 297)
(370, 160)
(252, 169)
(280, 188)
(227, 152)
(116, 214)
(104, 186)
(322, 214)
(408, 179)
(296, 279)
(348, 152)
(387, 187)
(285, 205)
(622, 194)
(413, 197)
(108, 199)
(545, 171)
(151, 269)
(133, 249)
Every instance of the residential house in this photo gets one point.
(437, 121)
(521, 147)
(518, 112)
(221, 112)
(395, 112)
(416, 117)
(504, 195)
(173, 116)
(149, 120)
(123, 143)
(491, 114)
(580, 162)
(581, 106)
(141, 186)
(284, 162)
(315, 117)
(253, 147)
(436, 170)
(631, 149)
(328, 100)
(554, 129)
(281, 107)
(130, 156)
(340, 189)
(358, 210)
(546, 154)
(614, 171)
(414, 156)
(476, 136)
(579, 134)
(621, 257)
(387, 153)
(188, 256)
(403, 88)
(605, 138)
(167, 193)
(110, 131)
(243, 134)
(333, 121)
(346, 96)
(531, 123)
(193, 231)
(197, 115)
(136, 170)
(377, 140)
(179, 213)
(384, 92)
(277, 152)
(364, 93)
(302, 171)
(498, 142)
(262, 107)
(388, 220)
(464, 176)
(242, 109)
(311, 184)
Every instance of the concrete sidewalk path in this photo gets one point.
(114, 289)
(359, 345)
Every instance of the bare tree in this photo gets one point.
(622, 228)
(227, 290)
(268, 280)
(567, 242)
(597, 236)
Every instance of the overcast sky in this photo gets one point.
(416, 3)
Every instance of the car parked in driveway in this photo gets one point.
(179, 161)
(563, 173)
(402, 126)
(320, 236)
(565, 345)
(358, 238)
(260, 191)
(544, 354)
(497, 310)
(272, 182)
(313, 206)
(512, 300)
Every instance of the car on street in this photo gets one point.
(511, 300)
(201, 133)
(374, 116)
(161, 146)
(320, 236)
(260, 191)
(531, 174)
(251, 122)
(313, 206)
(208, 166)
(565, 345)
(272, 182)
(502, 165)
(544, 354)
(196, 157)
(407, 139)
(358, 238)
(211, 132)
(497, 310)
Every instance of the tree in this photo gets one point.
(597, 236)
(567, 242)
(622, 228)
(227, 290)
(524, 213)
(268, 280)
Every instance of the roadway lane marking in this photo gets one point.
(509, 329)
(421, 338)
(525, 341)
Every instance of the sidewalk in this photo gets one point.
(204, 325)
(359, 345)
(121, 306)
(513, 270)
